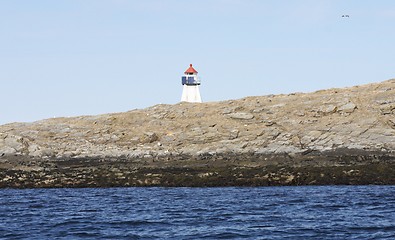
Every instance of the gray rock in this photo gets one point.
(34, 150)
(134, 140)
(234, 134)
(5, 150)
(327, 109)
(310, 137)
(14, 142)
(241, 116)
(347, 108)
(149, 137)
(387, 109)
(268, 123)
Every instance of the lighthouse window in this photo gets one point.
(191, 80)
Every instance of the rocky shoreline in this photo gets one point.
(335, 136)
(341, 168)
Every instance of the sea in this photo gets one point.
(301, 212)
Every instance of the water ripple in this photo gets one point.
(322, 212)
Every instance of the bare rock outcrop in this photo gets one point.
(295, 126)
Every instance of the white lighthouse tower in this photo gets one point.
(190, 82)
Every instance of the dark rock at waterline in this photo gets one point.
(333, 168)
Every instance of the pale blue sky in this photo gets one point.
(83, 57)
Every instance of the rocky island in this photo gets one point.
(334, 136)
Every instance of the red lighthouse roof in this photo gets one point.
(190, 70)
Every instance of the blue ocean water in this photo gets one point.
(308, 212)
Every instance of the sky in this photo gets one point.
(68, 58)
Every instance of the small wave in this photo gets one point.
(132, 223)
(372, 228)
(189, 213)
(37, 205)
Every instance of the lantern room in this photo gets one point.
(190, 77)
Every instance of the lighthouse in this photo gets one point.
(190, 83)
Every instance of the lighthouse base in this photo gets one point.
(191, 93)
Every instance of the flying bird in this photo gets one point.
(346, 16)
